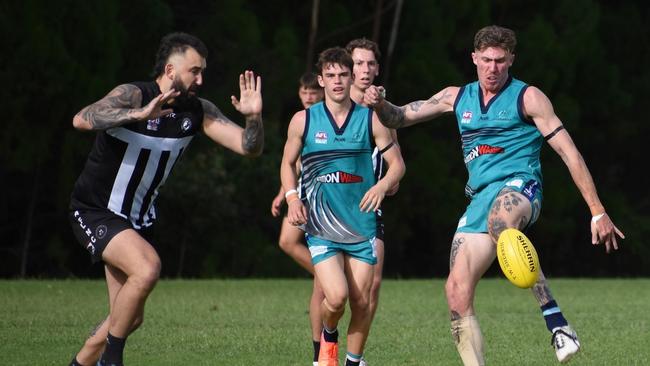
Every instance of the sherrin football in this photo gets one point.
(518, 258)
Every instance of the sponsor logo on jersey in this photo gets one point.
(530, 189)
(152, 124)
(339, 177)
(353, 139)
(186, 125)
(481, 150)
(320, 137)
(503, 115)
(467, 117)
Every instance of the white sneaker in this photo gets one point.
(363, 362)
(565, 341)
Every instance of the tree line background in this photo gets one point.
(589, 57)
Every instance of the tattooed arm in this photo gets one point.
(247, 141)
(393, 116)
(122, 105)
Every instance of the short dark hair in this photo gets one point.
(365, 44)
(176, 42)
(334, 55)
(309, 80)
(495, 36)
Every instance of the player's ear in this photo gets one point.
(475, 58)
(320, 81)
(170, 71)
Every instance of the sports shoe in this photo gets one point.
(565, 341)
(329, 353)
(363, 362)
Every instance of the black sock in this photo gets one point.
(316, 349)
(553, 315)
(74, 362)
(330, 336)
(114, 350)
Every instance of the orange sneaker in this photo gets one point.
(329, 353)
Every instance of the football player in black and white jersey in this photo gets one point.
(142, 130)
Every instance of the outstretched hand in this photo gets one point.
(250, 94)
(604, 231)
(154, 109)
(374, 95)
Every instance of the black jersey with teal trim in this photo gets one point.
(337, 171)
(128, 164)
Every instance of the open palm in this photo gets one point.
(250, 94)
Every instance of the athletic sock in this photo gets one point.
(352, 360)
(553, 315)
(316, 349)
(114, 350)
(74, 362)
(330, 335)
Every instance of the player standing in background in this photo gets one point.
(334, 141)
(143, 129)
(503, 123)
(365, 55)
(292, 238)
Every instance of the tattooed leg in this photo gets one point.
(510, 209)
(541, 291)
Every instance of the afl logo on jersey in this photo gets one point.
(467, 117)
(186, 125)
(320, 137)
(152, 124)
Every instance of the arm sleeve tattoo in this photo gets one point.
(253, 138)
(390, 115)
(115, 109)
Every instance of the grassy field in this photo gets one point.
(264, 322)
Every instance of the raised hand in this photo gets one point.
(154, 109)
(250, 94)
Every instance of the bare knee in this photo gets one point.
(285, 244)
(146, 275)
(359, 303)
(336, 303)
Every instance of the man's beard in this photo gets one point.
(184, 97)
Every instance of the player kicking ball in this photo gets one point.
(503, 123)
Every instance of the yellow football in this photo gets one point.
(518, 258)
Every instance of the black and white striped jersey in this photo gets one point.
(128, 164)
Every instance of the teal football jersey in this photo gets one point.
(337, 170)
(498, 141)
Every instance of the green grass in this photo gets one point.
(264, 322)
